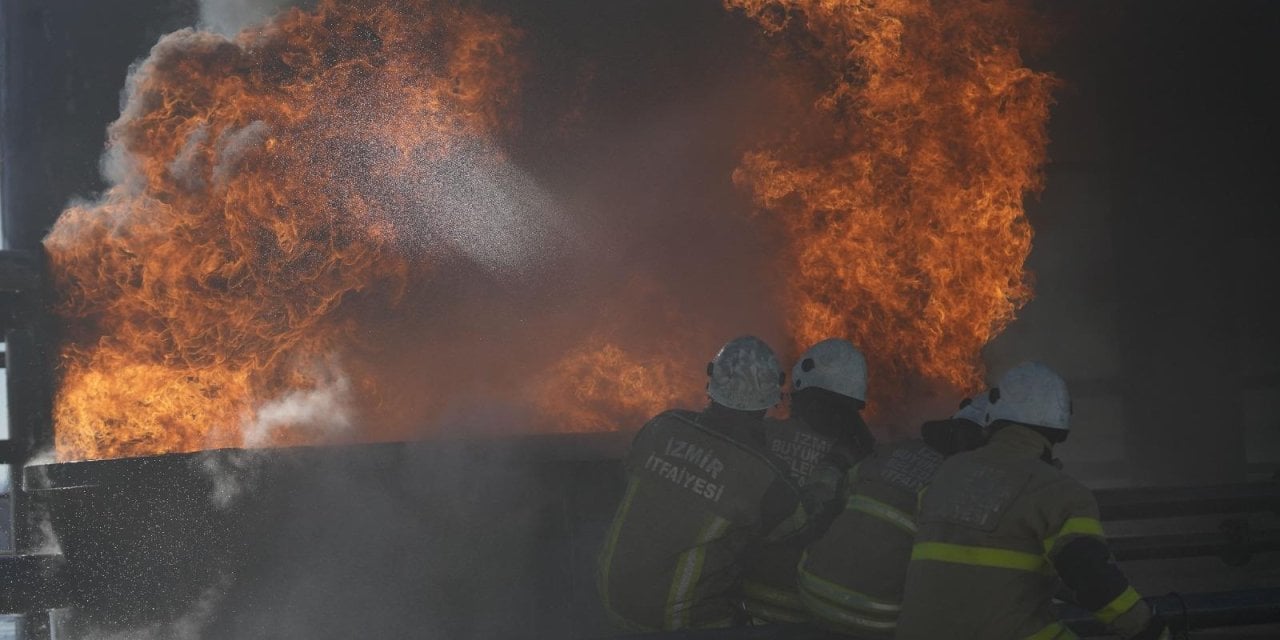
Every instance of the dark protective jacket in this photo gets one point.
(852, 579)
(700, 491)
(817, 463)
(804, 450)
(1000, 530)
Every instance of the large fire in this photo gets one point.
(257, 205)
(265, 226)
(901, 190)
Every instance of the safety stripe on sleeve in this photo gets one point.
(979, 556)
(1118, 607)
(615, 529)
(1074, 527)
(688, 570)
(844, 596)
(888, 513)
(1054, 631)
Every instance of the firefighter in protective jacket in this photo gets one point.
(823, 438)
(1001, 529)
(700, 491)
(851, 580)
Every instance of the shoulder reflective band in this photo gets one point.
(1055, 631)
(1075, 527)
(1118, 607)
(979, 556)
(893, 515)
(688, 572)
(842, 596)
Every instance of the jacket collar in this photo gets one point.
(1020, 441)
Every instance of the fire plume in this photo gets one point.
(902, 193)
(256, 211)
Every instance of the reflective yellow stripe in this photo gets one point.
(1118, 607)
(978, 556)
(606, 554)
(773, 613)
(1075, 527)
(843, 596)
(764, 593)
(1054, 631)
(688, 571)
(847, 620)
(888, 513)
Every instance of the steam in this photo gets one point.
(229, 17)
(187, 626)
(45, 540)
(232, 475)
(324, 411)
(185, 166)
(235, 145)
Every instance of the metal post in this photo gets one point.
(35, 626)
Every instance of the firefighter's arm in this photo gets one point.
(824, 486)
(783, 514)
(1078, 550)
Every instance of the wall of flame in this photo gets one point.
(285, 207)
(901, 188)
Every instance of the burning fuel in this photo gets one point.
(901, 187)
(258, 214)
(292, 210)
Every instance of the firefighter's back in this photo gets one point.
(696, 496)
(852, 578)
(978, 567)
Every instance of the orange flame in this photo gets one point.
(226, 266)
(262, 230)
(607, 384)
(902, 196)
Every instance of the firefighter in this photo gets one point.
(1001, 528)
(700, 490)
(964, 431)
(851, 580)
(824, 437)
